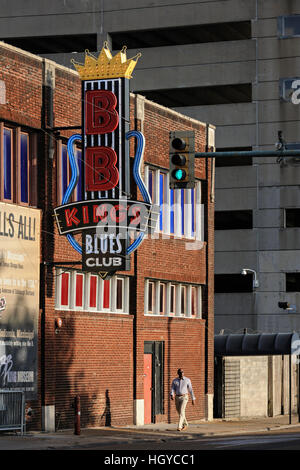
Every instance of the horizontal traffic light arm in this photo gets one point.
(253, 153)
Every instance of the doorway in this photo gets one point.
(153, 380)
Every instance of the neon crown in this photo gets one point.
(106, 66)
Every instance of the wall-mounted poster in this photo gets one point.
(19, 297)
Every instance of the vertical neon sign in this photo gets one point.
(106, 215)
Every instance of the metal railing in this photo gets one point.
(12, 410)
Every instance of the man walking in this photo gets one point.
(180, 388)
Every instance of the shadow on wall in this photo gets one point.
(107, 412)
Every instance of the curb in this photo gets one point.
(232, 432)
(196, 433)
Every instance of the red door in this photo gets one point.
(147, 387)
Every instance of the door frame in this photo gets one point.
(156, 349)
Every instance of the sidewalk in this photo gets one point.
(196, 429)
(219, 427)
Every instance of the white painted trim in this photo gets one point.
(138, 412)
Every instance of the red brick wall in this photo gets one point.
(96, 352)
(184, 347)
(167, 259)
(22, 74)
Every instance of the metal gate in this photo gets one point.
(12, 410)
(231, 388)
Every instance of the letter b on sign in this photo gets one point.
(101, 115)
(101, 172)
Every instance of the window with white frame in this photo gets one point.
(76, 290)
(172, 301)
(195, 298)
(183, 300)
(164, 298)
(181, 211)
(92, 292)
(120, 294)
(64, 290)
(150, 297)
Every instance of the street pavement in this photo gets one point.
(121, 435)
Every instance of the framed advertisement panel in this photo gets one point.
(19, 297)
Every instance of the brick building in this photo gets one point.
(122, 339)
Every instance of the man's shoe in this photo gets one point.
(184, 427)
(178, 429)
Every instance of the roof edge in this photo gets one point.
(173, 112)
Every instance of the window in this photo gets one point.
(292, 281)
(55, 44)
(183, 307)
(106, 294)
(151, 300)
(76, 290)
(120, 293)
(172, 299)
(288, 88)
(292, 218)
(162, 199)
(233, 220)
(64, 173)
(65, 290)
(229, 283)
(93, 291)
(200, 95)
(172, 211)
(79, 289)
(18, 171)
(180, 211)
(289, 26)
(162, 298)
(194, 308)
(7, 164)
(294, 146)
(24, 168)
(234, 160)
(169, 299)
(192, 34)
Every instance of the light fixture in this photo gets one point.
(58, 324)
(245, 271)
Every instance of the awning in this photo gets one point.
(264, 344)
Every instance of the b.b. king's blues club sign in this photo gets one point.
(112, 225)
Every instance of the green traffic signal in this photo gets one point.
(179, 174)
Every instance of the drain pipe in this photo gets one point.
(255, 322)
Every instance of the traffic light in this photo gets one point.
(284, 305)
(287, 306)
(182, 159)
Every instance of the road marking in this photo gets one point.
(255, 440)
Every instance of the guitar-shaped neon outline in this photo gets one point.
(136, 174)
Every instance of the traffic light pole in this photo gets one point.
(253, 153)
